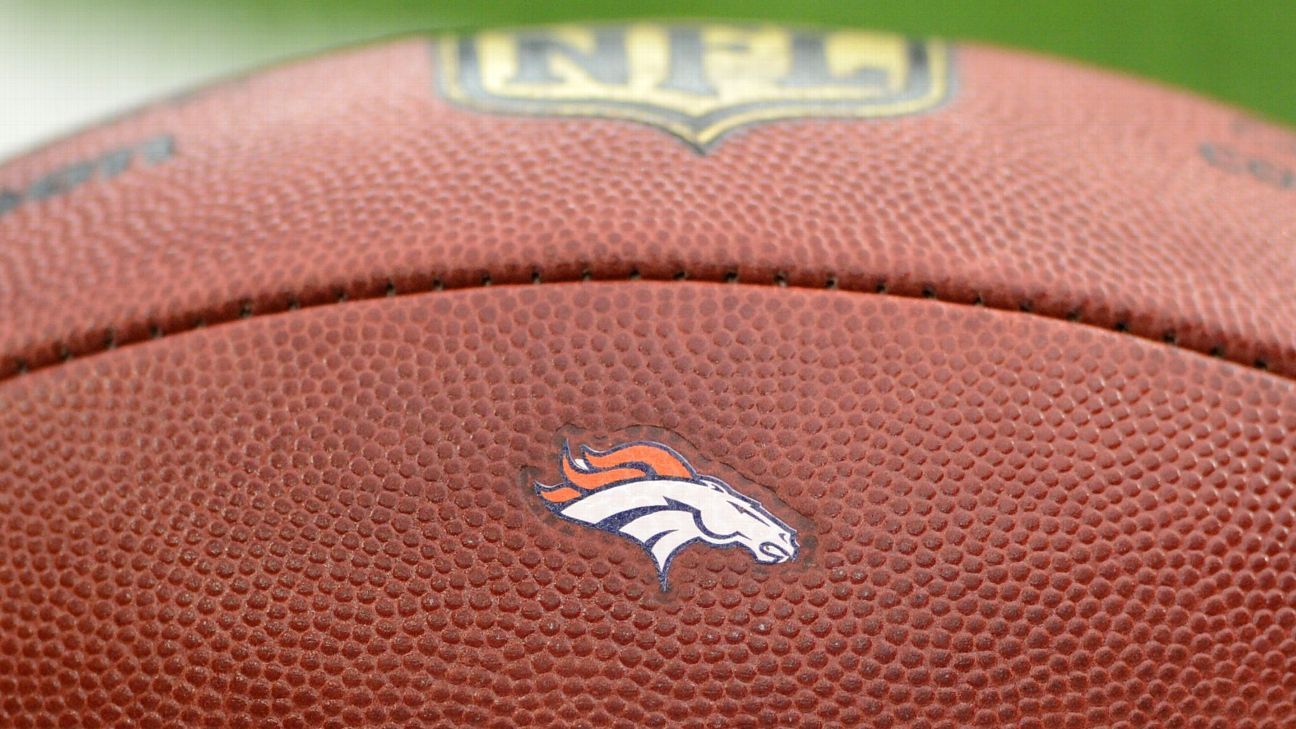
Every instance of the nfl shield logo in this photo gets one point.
(697, 81)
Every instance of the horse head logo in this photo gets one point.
(648, 493)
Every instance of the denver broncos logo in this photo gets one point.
(648, 493)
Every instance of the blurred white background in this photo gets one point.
(65, 64)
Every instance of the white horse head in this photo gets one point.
(648, 493)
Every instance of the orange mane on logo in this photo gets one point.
(599, 469)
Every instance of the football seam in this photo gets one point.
(248, 309)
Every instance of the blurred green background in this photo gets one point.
(64, 63)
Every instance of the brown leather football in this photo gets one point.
(652, 375)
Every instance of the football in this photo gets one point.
(663, 374)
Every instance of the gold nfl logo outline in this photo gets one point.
(697, 81)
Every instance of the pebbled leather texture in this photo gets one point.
(323, 518)
(272, 406)
(1038, 184)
